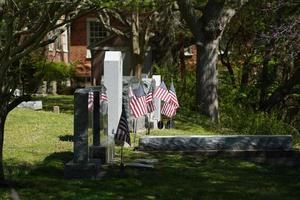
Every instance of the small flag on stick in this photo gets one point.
(123, 135)
(162, 92)
(138, 102)
(173, 96)
(90, 101)
(169, 108)
(149, 98)
(103, 95)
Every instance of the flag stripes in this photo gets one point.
(149, 99)
(162, 92)
(90, 101)
(150, 103)
(103, 96)
(122, 134)
(138, 102)
(138, 106)
(173, 96)
(168, 110)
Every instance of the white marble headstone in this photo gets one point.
(113, 71)
(157, 102)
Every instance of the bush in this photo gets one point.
(56, 71)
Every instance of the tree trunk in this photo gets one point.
(207, 96)
(2, 122)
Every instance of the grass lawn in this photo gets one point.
(37, 146)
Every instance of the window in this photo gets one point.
(188, 51)
(57, 43)
(96, 32)
(65, 40)
(51, 45)
(61, 41)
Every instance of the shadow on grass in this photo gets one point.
(175, 176)
(66, 138)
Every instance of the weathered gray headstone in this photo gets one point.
(81, 166)
(56, 109)
(234, 142)
(34, 105)
(53, 87)
(81, 125)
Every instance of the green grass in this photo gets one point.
(65, 102)
(37, 146)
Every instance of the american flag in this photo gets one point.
(149, 98)
(123, 135)
(90, 101)
(173, 96)
(103, 95)
(162, 92)
(169, 108)
(138, 102)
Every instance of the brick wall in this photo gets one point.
(190, 61)
(78, 46)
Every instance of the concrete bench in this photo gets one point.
(218, 143)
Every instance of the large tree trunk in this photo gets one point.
(208, 30)
(207, 81)
(3, 115)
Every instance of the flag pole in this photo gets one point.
(134, 131)
(122, 167)
(122, 164)
(148, 128)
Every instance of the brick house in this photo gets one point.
(84, 43)
(72, 45)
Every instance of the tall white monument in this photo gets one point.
(155, 117)
(113, 71)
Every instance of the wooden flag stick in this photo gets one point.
(122, 167)
(122, 155)
(134, 131)
(148, 128)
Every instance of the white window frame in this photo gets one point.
(51, 45)
(65, 40)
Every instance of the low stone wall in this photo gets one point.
(219, 143)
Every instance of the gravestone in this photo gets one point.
(113, 71)
(155, 116)
(97, 148)
(53, 88)
(81, 166)
(211, 143)
(34, 105)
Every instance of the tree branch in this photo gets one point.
(188, 13)
(17, 101)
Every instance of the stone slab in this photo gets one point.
(139, 166)
(146, 161)
(88, 170)
(98, 152)
(34, 105)
(232, 142)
